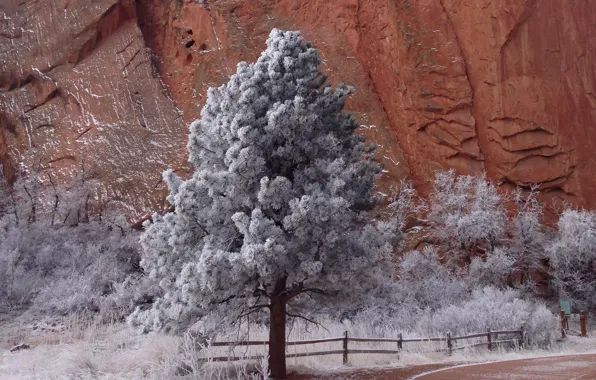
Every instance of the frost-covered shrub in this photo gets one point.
(466, 213)
(65, 269)
(54, 259)
(487, 308)
(424, 282)
(467, 220)
(403, 204)
(471, 313)
(493, 269)
(529, 239)
(572, 258)
(542, 327)
(491, 308)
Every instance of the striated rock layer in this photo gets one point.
(81, 98)
(531, 65)
(506, 87)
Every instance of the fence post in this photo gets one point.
(449, 343)
(582, 323)
(522, 343)
(400, 342)
(490, 340)
(563, 325)
(345, 355)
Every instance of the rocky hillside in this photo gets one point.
(105, 88)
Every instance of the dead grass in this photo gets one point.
(76, 348)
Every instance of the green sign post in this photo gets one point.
(565, 306)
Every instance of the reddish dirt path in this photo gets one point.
(577, 367)
(572, 367)
(375, 374)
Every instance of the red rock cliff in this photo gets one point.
(107, 87)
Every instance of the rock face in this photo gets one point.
(81, 98)
(531, 67)
(506, 87)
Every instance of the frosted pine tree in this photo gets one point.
(278, 208)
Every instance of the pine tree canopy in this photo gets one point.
(281, 195)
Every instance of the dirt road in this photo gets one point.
(577, 367)
(374, 374)
(573, 367)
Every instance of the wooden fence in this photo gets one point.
(564, 318)
(449, 341)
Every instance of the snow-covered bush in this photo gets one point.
(491, 308)
(54, 259)
(572, 258)
(65, 269)
(403, 204)
(467, 220)
(494, 269)
(470, 312)
(476, 275)
(529, 239)
(61, 268)
(426, 283)
(542, 328)
(465, 213)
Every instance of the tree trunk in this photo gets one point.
(277, 332)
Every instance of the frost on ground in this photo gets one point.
(75, 348)
(94, 351)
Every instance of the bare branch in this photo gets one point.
(254, 309)
(299, 289)
(202, 228)
(56, 198)
(226, 299)
(315, 290)
(307, 320)
(261, 292)
(31, 218)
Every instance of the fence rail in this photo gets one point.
(345, 351)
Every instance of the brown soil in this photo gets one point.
(577, 367)
(375, 374)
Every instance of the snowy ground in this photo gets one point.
(82, 350)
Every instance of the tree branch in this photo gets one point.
(299, 289)
(31, 218)
(227, 299)
(262, 292)
(253, 309)
(293, 292)
(306, 319)
(315, 290)
(201, 227)
(56, 198)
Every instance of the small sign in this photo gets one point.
(565, 306)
